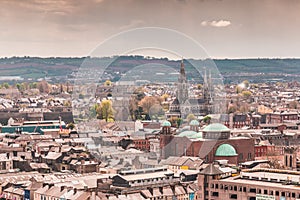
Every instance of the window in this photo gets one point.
(265, 191)
(277, 193)
(249, 156)
(241, 156)
(253, 190)
(233, 196)
(259, 191)
(215, 194)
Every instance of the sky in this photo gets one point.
(224, 28)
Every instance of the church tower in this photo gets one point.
(207, 88)
(182, 87)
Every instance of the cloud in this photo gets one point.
(215, 23)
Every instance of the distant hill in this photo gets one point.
(233, 70)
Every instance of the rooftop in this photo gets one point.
(225, 150)
(216, 127)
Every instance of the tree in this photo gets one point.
(156, 111)
(106, 110)
(190, 117)
(175, 121)
(133, 109)
(68, 103)
(165, 97)
(107, 83)
(43, 87)
(5, 85)
(246, 94)
(33, 85)
(70, 126)
(246, 83)
(18, 85)
(147, 102)
(238, 89)
(199, 86)
(206, 119)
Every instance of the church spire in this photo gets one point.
(182, 87)
(182, 78)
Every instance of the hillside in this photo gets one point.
(233, 70)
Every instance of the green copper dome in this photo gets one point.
(190, 134)
(225, 150)
(216, 127)
(194, 123)
(166, 123)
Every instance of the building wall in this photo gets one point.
(179, 146)
(226, 190)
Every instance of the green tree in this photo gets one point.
(106, 110)
(175, 121)
(18, 85)
(33, 85)
(190, 117)
(206, 119)
(5, 85)
(71, 126)
(246, 94)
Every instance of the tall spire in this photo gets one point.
(182, 77)
(182, 87)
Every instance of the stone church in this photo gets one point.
(183, 105)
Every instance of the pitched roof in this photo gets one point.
(211, 169)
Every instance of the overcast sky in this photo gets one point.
(225, 28)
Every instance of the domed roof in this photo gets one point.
(216, 127)
(225, 150)
(166, 123)
(190, 134)
(194, 123)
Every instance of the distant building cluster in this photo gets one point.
(187, 152)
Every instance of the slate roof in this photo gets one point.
(211, 170)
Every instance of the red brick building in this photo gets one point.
(281, 117)
(213, 143)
